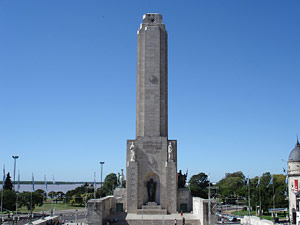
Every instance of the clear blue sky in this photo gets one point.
(68, 84)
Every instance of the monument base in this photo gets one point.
(134, 219)
(151, 208)
(106, 209)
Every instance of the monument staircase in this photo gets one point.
(151, 208)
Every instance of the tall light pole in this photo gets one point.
(15, 157)
(101, 178)
(209, 200)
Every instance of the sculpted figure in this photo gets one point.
(151, 188)
(122, 179)
(119, 180)
(170, 152)
(182, 179)
(132, 158)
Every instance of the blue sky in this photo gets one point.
(68, 84)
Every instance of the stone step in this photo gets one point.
(151, 203)
(151, 211)
(151, 207)
(160, 222)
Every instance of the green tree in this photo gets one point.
(232, 187)
(254, 192)
(89, 196)
(60, 195)
(42, 193)
(77, 199)
(52, 194)
(280, 191)
(86, 197)
(25, 199)
(7, 183)
(198, 185)
(9, 199)
(265, 190)
(109, 184)
(73, 194)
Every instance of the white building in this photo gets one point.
(293, 182)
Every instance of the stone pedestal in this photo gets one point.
(132, 186)
(184, 198)
(120, 198)
(171, 187)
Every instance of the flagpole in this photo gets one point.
(273, 196)
(2, 204)
(17, 207)
(259, 201)
(17, 193)
(287, 188)
(43, 216)
(2, 193)
(52, 210)
(30, 220)
(209, 203)
(249, 210)
(94, 185)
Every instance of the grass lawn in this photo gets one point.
(47, 207)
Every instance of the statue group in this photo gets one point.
(120, 179)
(182, 179)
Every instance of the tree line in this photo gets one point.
(77, 197)
(24, 198)
(268, 190)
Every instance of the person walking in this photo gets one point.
(175, 222)
(183, 221)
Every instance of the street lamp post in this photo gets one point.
(15, 157)
(101, 178)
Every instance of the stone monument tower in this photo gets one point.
(151, 157)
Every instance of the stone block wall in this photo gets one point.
(98, 209)
(200, 208)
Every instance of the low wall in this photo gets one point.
(254, 220)
(47, 219)
(200, 208)
(98, 209)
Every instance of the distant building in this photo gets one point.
(293, 183)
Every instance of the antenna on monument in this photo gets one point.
(297, 141)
